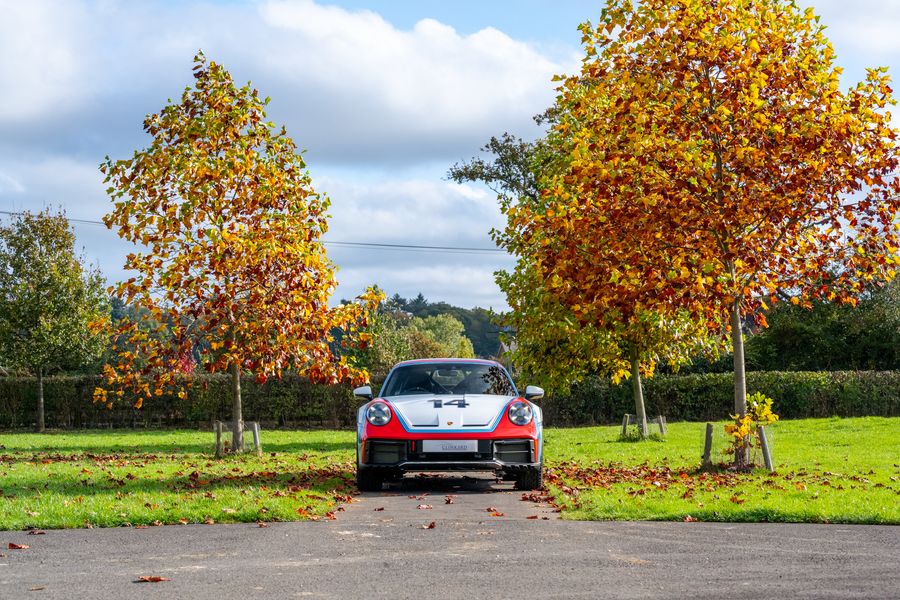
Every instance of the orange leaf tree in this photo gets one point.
(711, 138)
(231, 270)
(612, 334)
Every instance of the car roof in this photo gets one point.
(424, 361)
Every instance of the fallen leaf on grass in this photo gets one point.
(151, 579)
(209, 521)
(18, 546)
(431, 525)
(689, 519)
(737, 500)
(183, 521)
(230, 511)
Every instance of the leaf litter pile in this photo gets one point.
(615, 491)
(85, 489)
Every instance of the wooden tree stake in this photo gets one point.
(707, 447)
(767, 456)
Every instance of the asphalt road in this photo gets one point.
(369, 553)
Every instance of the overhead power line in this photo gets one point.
(340, 244)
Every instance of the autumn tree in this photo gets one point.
(613, 333)
(715, 137)
(48, 300)
(230, 259)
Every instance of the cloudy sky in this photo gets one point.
(383, 94)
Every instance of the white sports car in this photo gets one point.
(449, 415)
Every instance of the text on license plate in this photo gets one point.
(449, 445)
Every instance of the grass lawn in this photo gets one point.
(827, 470)
(103, 478)
(837, 470)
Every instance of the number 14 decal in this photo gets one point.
(460, 402)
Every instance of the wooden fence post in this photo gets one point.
(707, 447)
(218, 427)
(256, 441)
(767, 456)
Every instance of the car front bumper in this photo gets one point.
(508, 455)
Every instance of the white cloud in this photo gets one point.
(39, 45)
(868, 26)
(10, 185)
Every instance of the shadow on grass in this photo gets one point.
(322, 480)
(157, 447)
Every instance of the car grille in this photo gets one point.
(513, 451)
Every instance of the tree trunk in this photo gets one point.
(638, 394)
(741, 455)
(39, 425)
(237, 426)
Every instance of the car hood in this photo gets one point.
(443, 413)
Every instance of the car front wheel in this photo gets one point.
(531, 478)
(368, 480)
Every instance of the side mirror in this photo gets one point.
(533, 392)
(364, 392)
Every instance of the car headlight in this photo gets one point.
(378, 413)
(520, 413)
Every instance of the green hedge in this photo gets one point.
(295, 402)
(708, 397)
(290, 402)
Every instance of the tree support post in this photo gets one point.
(217, 426)
(767, 455)
(254, 428)
(707, 447)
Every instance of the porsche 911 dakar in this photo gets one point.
(449, 415)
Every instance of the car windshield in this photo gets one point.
(448, 378)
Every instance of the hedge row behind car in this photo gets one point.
(295, 402)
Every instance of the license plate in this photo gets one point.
(449, 445)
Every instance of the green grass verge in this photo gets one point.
(829, 470)
(106, 479)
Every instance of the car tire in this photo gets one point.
(368, 480)
(531, 478)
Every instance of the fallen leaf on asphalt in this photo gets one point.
(36, 532)
(424, 507)
(491, 509)
(448, 499)
(261, 524)
(151, 579)
(142, 527)
(18, 546)
(431, 525)
(497, 513)
(37, 588)
(379, 509)
(532, 517)
(689, 519)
